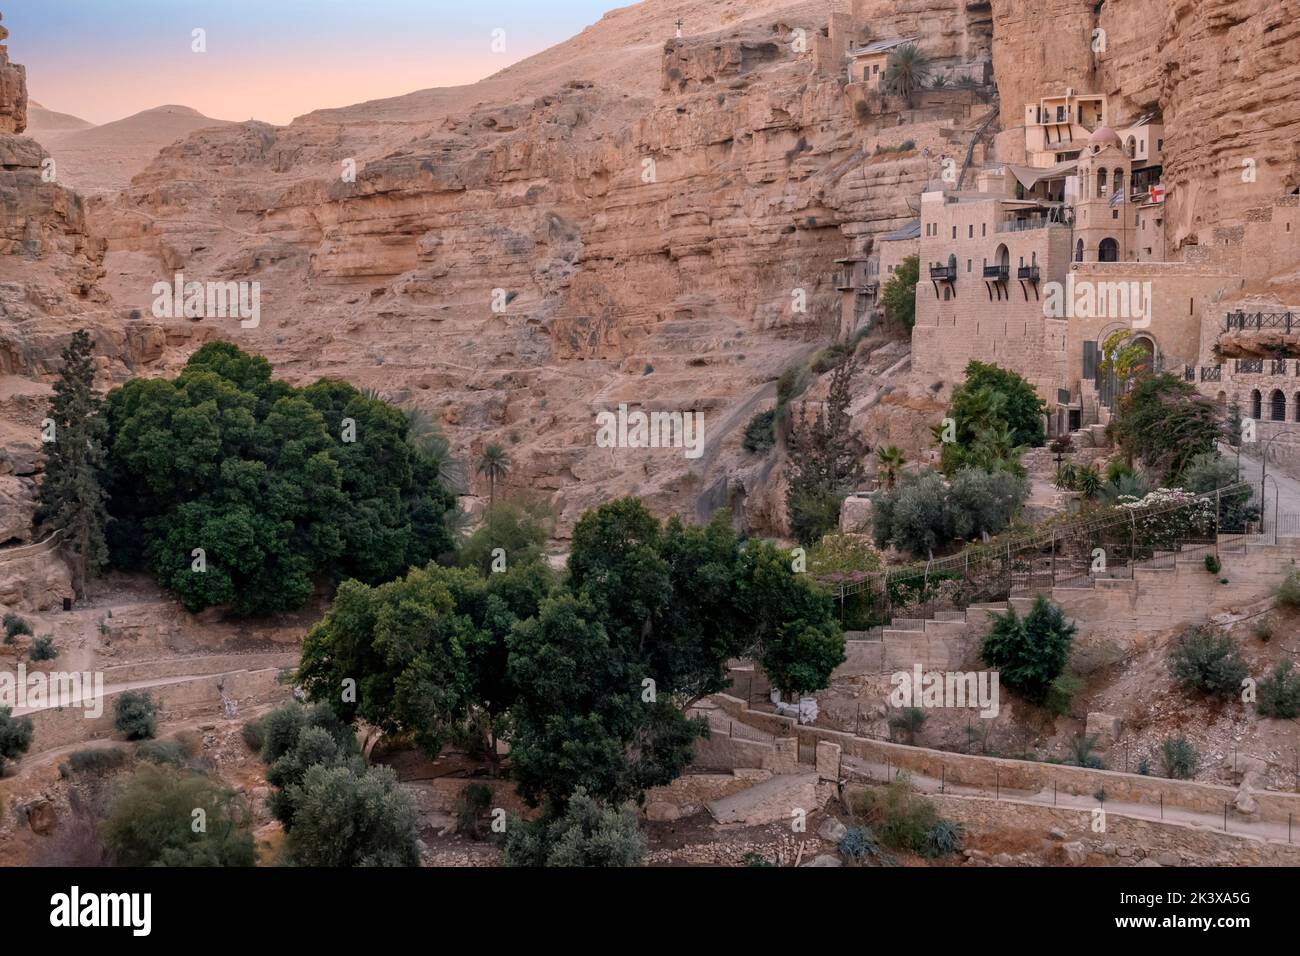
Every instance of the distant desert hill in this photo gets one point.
(95, 159)
(40, 119)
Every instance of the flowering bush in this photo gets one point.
(1167, 517)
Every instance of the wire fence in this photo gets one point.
(1076, 553)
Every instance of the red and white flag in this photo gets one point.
(1156, 193)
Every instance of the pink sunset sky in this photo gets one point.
(270, 60)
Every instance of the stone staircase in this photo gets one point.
(943, 642)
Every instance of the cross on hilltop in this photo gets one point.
(679, 28)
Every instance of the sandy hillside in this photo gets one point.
(40, 119)
(95, 159)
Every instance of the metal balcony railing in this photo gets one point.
(1028, 273)
(1214, 374)
(997, 273)
(1023, 225)
(1248, 366)
(943, 273)
(1242, 321)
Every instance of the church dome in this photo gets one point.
(1104, 136)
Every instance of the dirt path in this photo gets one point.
(1259, 830)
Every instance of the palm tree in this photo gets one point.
(890, 461)
(494, 463)
(425, 434)
(907, 70)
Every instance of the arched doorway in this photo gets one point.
(1256, 405)
(1148, 361)
(1108, 251)
(1277, 405)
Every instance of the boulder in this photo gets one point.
(1105, 727)
(832, 830)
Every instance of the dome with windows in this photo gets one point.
(1104, 136)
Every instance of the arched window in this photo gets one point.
(1297, 406)
(1277, 405)
(1101, 183)
(1118, 180)
(1256, 405)
(1108, 251)
(1132, 147)
(1078, 252)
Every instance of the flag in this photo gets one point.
(1156, 193)
(1118, 198)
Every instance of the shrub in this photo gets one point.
(858, 843)
(1288, 592)
(1166, 423)
(586, 833)
(133, 715)
(1212, 564)
(43, 649)
(1279, 692)
(15, 625)
(519, 530)
(905, 818)
(923, 513)
(1206, 660)
(15, 736)
(473, 803)
(1082, 755)
(909, 722)
(756, 859)
(760, 433)
(169, 752)
(1264, 630)
(1179, 758)
(253, 735)
(99, 760)
(861, 111)
(151, 823)
(899, 293)
(944, 839)
(1030, 652)
(1060, 696)
(345, 818)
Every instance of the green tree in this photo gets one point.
(924, 513)
(1029, 652)
(133, 714)
(495, 464)
(1165, 423)
(890, 461)
(71, 496)
(342, 818)
(1279, 692)
(906, 71)
(15, 736)
(519, 531)
(825, 459)
(899, 293)
(994, 412)
(586, 833)
(239, 490)
(1207, 660)
(168, 818)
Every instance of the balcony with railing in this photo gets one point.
(1211, 374)
(940, 273)
(1242, 321)
(1027, 273)
(997, 273)
(1248, 366)
(1024, 225)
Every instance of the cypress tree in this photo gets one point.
(71, 497)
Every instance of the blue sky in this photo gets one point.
(270, 59)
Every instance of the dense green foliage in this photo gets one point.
(825, 460)
(924, 513)
(1179, 758)
(43, 649)
(14, 625)
(1210, 471)
(15, 736)
(343, 816)
(71, 497)
(899, 293)
(1279, 692)
(1030, 653)
(169, 818)
(518, 531)
(1165, 423)
(586, 833)
(133, 714)
(1207, 660)
(760, 433)
(276, 485)
(996, 414)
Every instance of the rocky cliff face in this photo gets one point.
(13, 90)
(518, 265)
